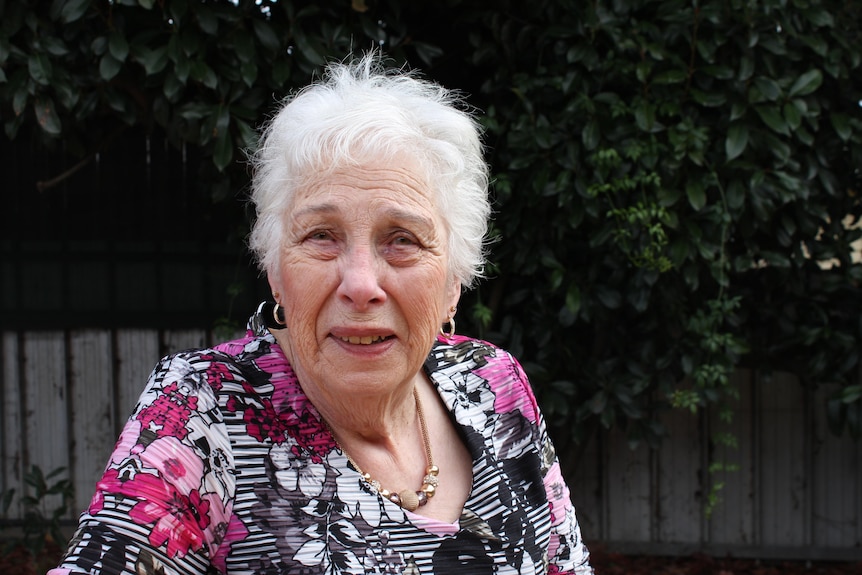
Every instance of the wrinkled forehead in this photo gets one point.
(406, 172)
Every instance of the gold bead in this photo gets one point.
(432, 470)
(409, 500)
(429, 490)
(385, 493)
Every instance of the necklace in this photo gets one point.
(406, 498)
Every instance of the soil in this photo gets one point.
(19, 562)
(616, 564)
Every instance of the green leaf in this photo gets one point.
(118, 45)
(709, 99)
(109, 67)
(590, 134)
(310, 49)
(768, 87)
(610, 298)
(40, 68)
(46, 116)
(772, 117)
(792, 115)
(147, 4)
(249, 73)
(153, 61)
(206, 19)
(736, 141)
(73, 10)
(696, 193)
(841, 123)
(202, 73)
(806, 83)
(645, 116)
(573, 298)
(735, 194)
(222, 151)
(266, 35)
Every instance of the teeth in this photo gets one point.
(364, 340)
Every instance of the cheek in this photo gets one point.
(424, 307)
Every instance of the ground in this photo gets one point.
(18, 563)
(615, 564)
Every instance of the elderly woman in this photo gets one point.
(348, 432)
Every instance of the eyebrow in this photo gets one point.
(392, 214)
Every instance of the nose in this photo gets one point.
(360, 278)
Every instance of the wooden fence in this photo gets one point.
(797, 492)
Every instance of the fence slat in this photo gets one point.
(731, 522)
(92, 413)
(12, 439)
(47, 442)
(834, 503)
(137, 354)
(679, 485)
(628, 490)
(781, 465)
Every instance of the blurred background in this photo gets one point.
(676, 254)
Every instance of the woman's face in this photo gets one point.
(363, 278)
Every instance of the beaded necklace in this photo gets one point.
(406, 498)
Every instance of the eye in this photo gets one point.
(319, 236)
(404, 240)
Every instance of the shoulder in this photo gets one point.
(478, 364)
(246, 363)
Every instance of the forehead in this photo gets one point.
(400, 180)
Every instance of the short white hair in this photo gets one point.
(360, 110)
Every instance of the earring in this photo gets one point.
(278, 314)
(450, 319)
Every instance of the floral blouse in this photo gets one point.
(226, 467)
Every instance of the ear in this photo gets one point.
(453, 296)
(273, 283)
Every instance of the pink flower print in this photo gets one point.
(216, 373)
(265, 423)
(313, 437)
(179, 519)
(176, 462)
(502, 377)
(109, 483)
(127, 445)
(169, 413)
(558, 494)
(236, 531)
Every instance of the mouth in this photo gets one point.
(365, 339)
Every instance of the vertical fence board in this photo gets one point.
(584, 481)
(92, 410)
(797, 487)
(628, 490)
(137, 354)
(679, 484)
(731, 522)
(178, 340)
(12, 439)
(47, 432)
(782, 469)
(834, 491)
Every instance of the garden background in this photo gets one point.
(676, 243)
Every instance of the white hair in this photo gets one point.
(359, 111)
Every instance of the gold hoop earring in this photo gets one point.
(448, 333)
(278, 314)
